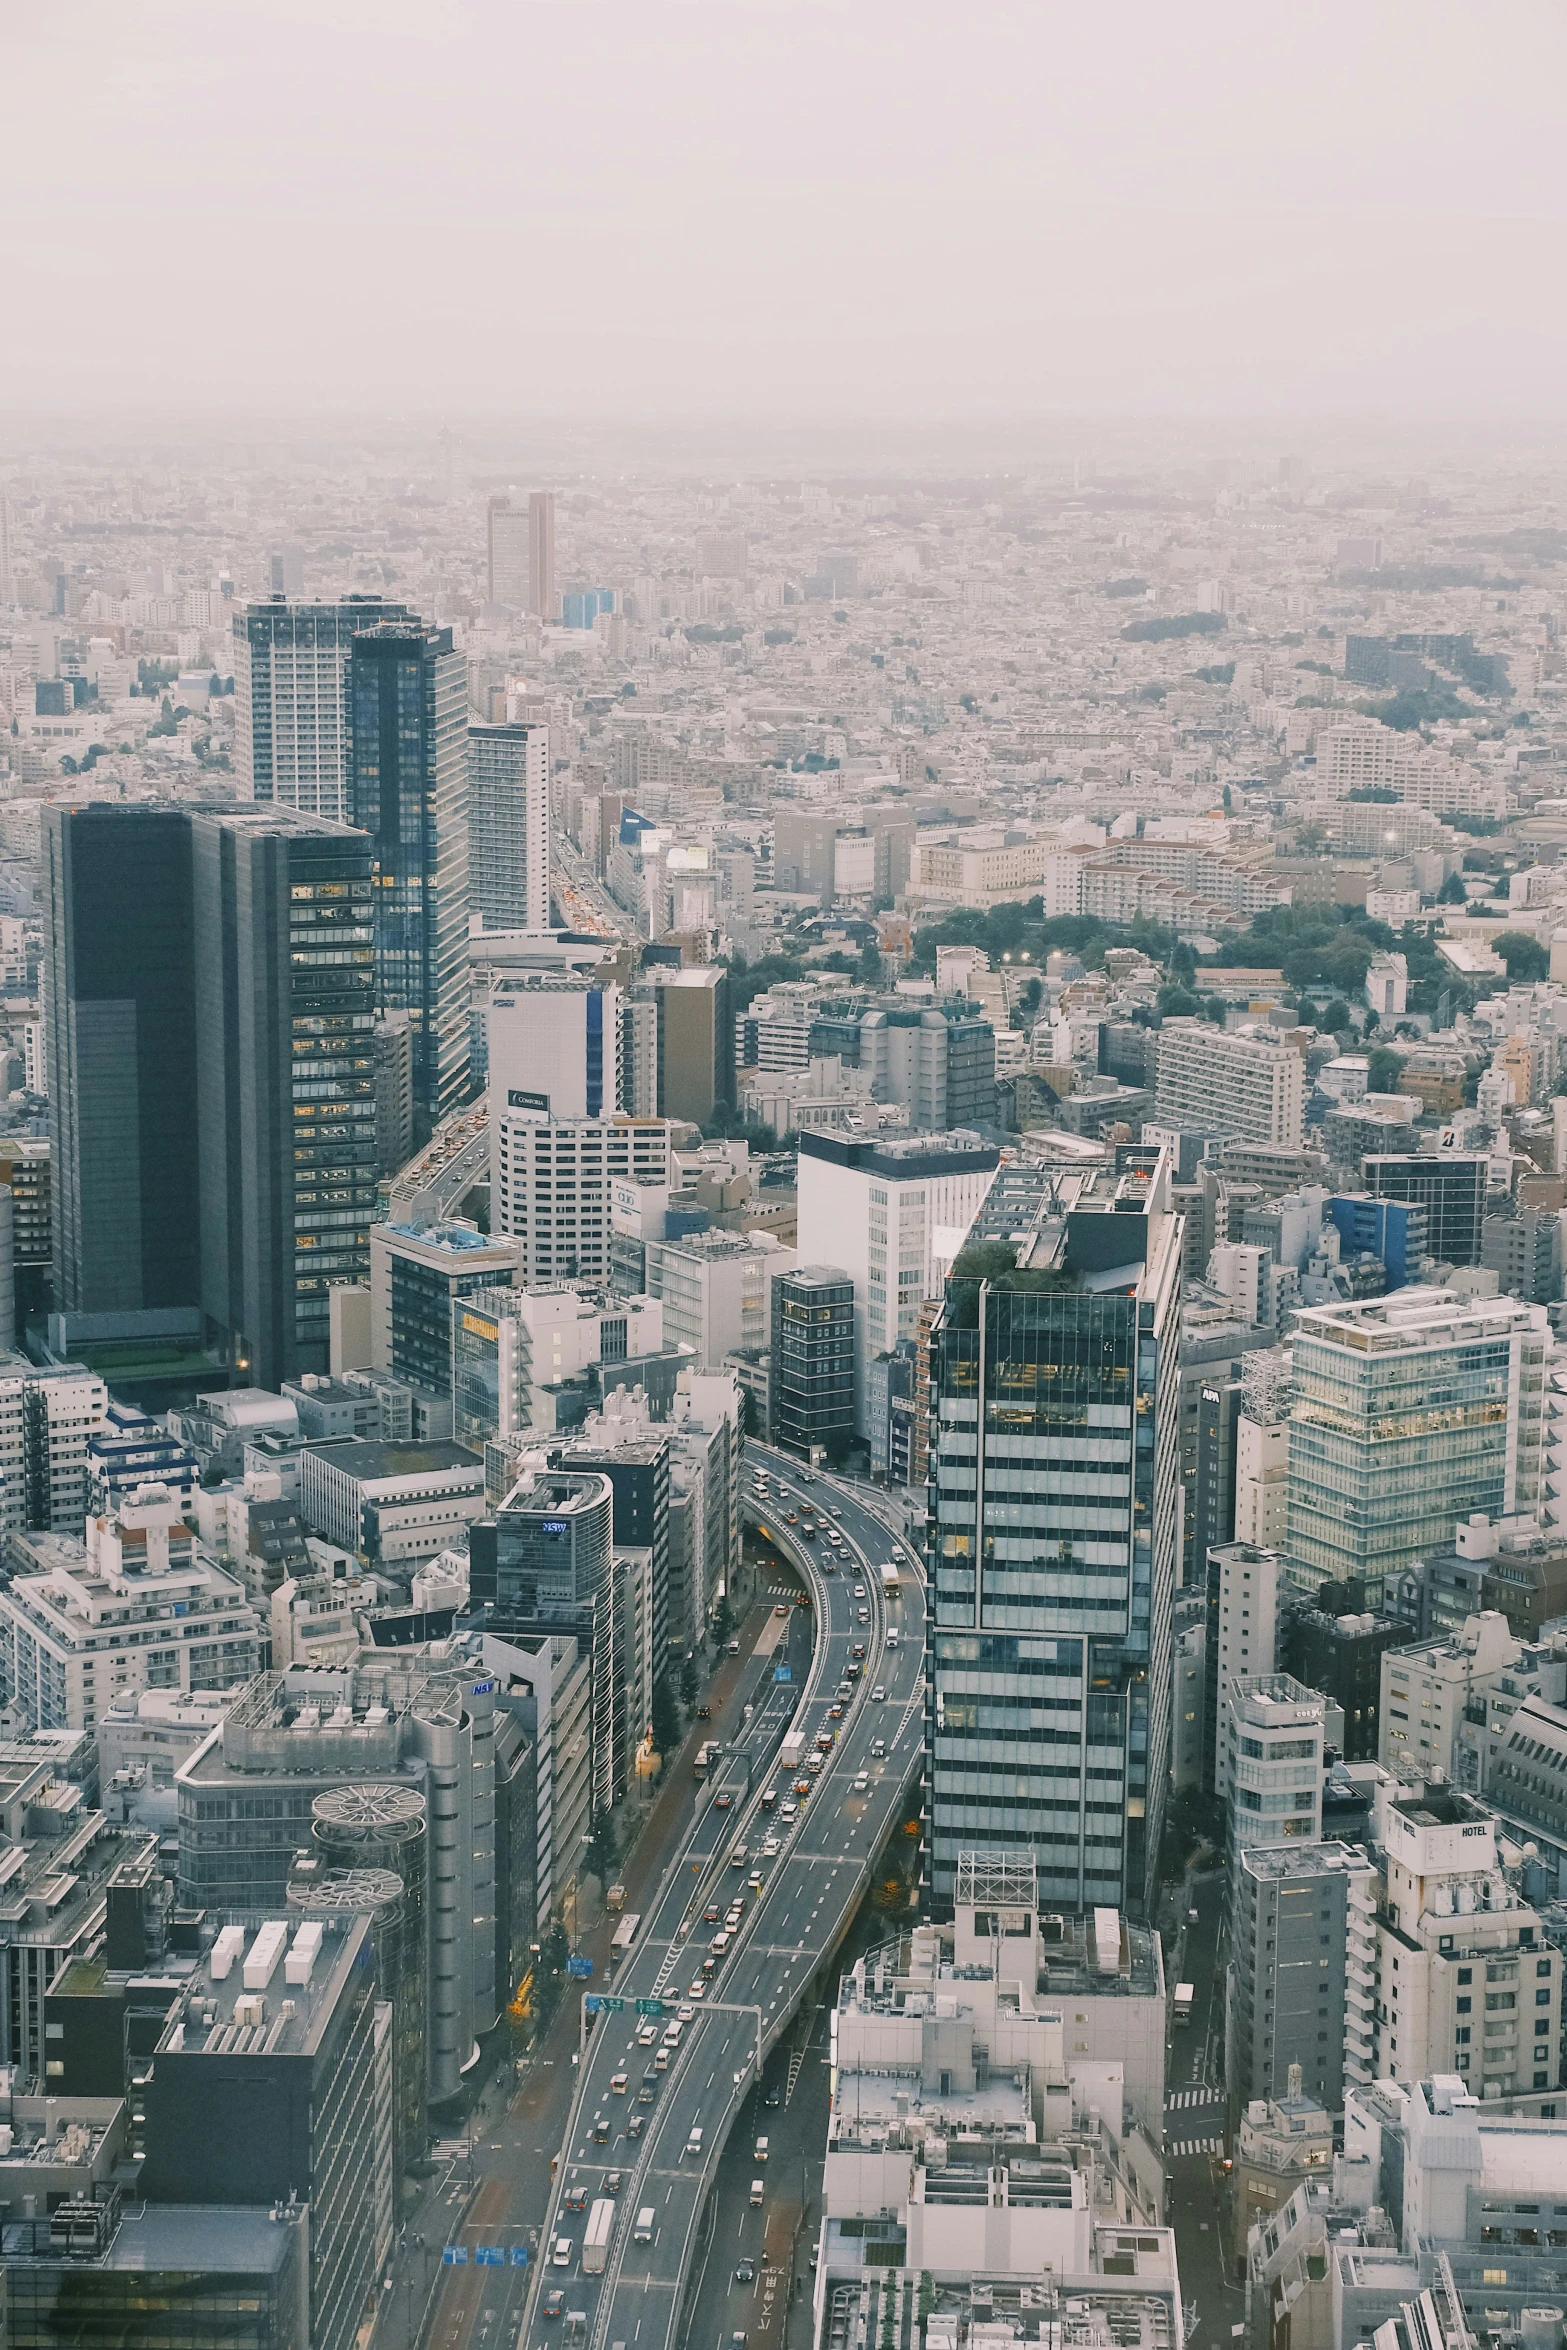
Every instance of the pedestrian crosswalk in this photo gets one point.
(1195, 2146)
(1201, 2095)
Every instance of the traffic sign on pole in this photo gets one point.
(650, 2007)
(607, 2001)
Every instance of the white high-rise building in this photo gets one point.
(508, 554)
(1248, 1630)
(509, 826)
(291, 699)
(550, 1186)
(892, 1215)
(555, 1045)
(717, 1290)
(1410, 1413)
(1244, 1086)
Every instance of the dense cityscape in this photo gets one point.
(783, 1178)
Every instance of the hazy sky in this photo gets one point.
(784, 207)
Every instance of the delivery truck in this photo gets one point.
(595, 2244)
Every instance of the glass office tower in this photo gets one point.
(1055, 1471)
(408, 755)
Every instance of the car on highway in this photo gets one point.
(710, 1914)
(723, 1800)
(754, 1883)
(770, 1846)
(802, 1786)
(780, 1611)
(862, 1785)
(601, 2129)
(649, 2088)
(554, 2302)
(618, 2084)
(878, 1695)
(745, 2272)
(835, 1713)
(646, 2035)
(697, 1990)
(824, 1742)
(794, 1517)
(694, 2142)
(614, 2180)
(684, 2014)
(561, 2256)
(576, 2195)
(865, 1615)
(858, 1651)
(789, 1812)
(816, 1763)
(661, 2061)
(636, 2125)
(772, 2098)
(859, 1591)
(761, 2150)
(878, 1749)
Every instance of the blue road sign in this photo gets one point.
(519, 2256)
(455, 2255)
(490, 2256)
(782, 1673)
(579, 1966)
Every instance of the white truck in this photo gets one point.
(791, 1750)
(1184, 1996)
(595, 2244)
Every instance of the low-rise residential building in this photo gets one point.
(136, 1604)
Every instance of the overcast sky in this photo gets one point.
(784, 207)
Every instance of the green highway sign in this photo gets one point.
(650, 2007)
(610, 2004)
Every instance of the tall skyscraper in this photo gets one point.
(509, 540)
(285, 1021)
(120, 998)
(1055, 1475)
(543, 596)
(290, 699)
(213, 1116)
(409, 790)
(1411, 1412)
(509, 825)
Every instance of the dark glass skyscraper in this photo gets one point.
(285, 1022)
(1055, 1477)
(119, 997)
(408, 777)
(212, 1089)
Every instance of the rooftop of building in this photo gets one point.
(873, 2107)
(154, 2239)
(452, 1238)
(267, 1987)
(247, 1407)
(910, 1159)
(1277, 1863)
(1414, 1317)
(52, 1881)
(369, 1461)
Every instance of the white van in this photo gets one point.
(758, 2193)
(642, 2233)
(694, 2142)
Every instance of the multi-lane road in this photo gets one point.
(812, 1871)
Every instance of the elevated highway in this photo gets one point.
(668, 2149)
